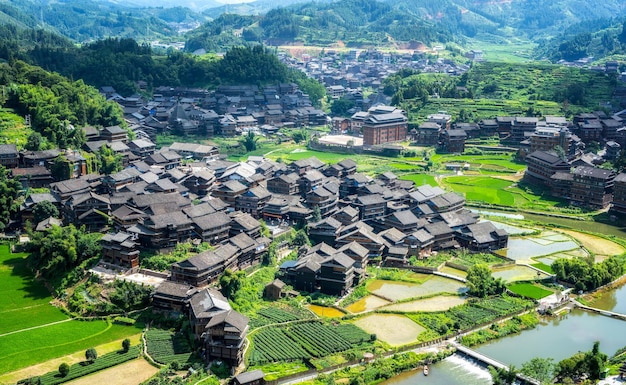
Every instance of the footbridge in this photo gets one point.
(488, 361)
(600, 311)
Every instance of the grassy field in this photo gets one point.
(497, 191)
(421, 179)
(489, 163)
(34, 331)
(24, 302)
(29, 347)
(529, 290)
(70, 359)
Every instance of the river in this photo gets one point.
(614, 300)
(454, 370)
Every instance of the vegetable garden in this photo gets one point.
(304, 340)
(166, 347)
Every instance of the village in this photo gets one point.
(190, 192)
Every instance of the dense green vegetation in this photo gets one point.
(489, 89)
(475, 312)
(501, 329)
(95, 298)
(9, 190)
(586, 275)
(61, 255)
(57, 106)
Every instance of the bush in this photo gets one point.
(91, 354)
(125, 345)
(64, 369)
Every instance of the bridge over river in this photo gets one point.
(600, 311)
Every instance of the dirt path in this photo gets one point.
(37, 327)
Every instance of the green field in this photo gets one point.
(421, 179)
(496, 191)
(24, 302)
(32, 330)
(491, 163)
(529, 290)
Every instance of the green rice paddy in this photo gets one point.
(34, 331)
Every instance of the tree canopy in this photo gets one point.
(481, 283)
(9, 190)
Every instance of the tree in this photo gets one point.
(43, 210)
(250, 141)
(541, 369)
(35, 142)
(301, 239)
(341, 106)
(231, 282)
(317, 215)
(60, 168)
(481, 283)
(503, 376)
(110, 161)
(64, 369)
(91, 354)
(9, 190)
(125, 345)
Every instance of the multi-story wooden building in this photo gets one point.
(592, 187)
(619, 194)
(120, 249)
(384, 128)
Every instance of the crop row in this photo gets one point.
(82, 369)
(165, 347)
(304, 340)
(318, 339)
(352, 333)
(272, 344)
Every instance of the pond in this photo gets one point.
(396, 290)
(549, 243)
(559, 338)
(370, 302)
(515, 273)
(325, 311)
(453, 370)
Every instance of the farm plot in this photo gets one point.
(517, 273)
(530, 290)
(131, 372)
(393, 329)
(272, 315)
(83, 368)
(303, 340)
(396, 291)
(438, 303)
(524, 249)
(166, 347)
(29, 347)
(24, 302)
(369, 302)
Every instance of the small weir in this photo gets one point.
(487, 361)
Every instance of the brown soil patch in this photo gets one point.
(129, 373)
(596, 244)
(394, 329)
